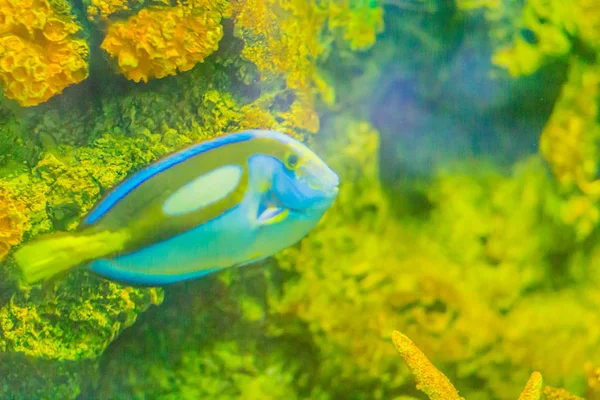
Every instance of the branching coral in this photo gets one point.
(429, 380)
(284, 37)
(161, 40)
(533, 388)
(437, 386)
(39, 55)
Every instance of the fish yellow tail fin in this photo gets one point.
(56, 253)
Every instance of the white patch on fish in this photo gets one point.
(204, 190)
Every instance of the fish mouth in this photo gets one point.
(333, 192)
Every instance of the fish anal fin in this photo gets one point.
(272, 215)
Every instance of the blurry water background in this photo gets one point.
(466, 135)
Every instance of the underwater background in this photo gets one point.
(462, 253)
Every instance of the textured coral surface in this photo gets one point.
(435, 384)
(39, 55)
(160, 41)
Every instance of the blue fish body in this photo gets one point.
(222, 203)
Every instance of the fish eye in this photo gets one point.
(292, 160)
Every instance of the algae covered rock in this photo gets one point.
(51, 336)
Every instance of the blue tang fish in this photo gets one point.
(226, 202)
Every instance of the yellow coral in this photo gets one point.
(544, 31)
(429, 380)
(361, 21)
(104, 8)
(473, 4)
(46, 330)
(586, 18)
(551, 393)
(285, 39)
(13, 221)
(593, 380)
(161, 40)
(533, 388)
(437, 386)
(285, 36)
(538, 32)
(545, 24)
(38, 55)
(281, 43)
(568, 142)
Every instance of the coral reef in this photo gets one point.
(12, 221)
(39, 53)
(235, 310)
(429, 380)
(104, 8)
(593, 380)
(568, 143)
(292, 43)
(489, 269)
(360, 21)
(67, 160)
(76, 325)
(487, 324)
(435, 384)
(160, 41)
(532, 34)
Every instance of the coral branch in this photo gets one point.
(429, 380)
(533, 388)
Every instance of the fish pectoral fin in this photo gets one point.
(272, 215)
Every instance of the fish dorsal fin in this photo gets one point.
(204, 190)
(143, 175)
